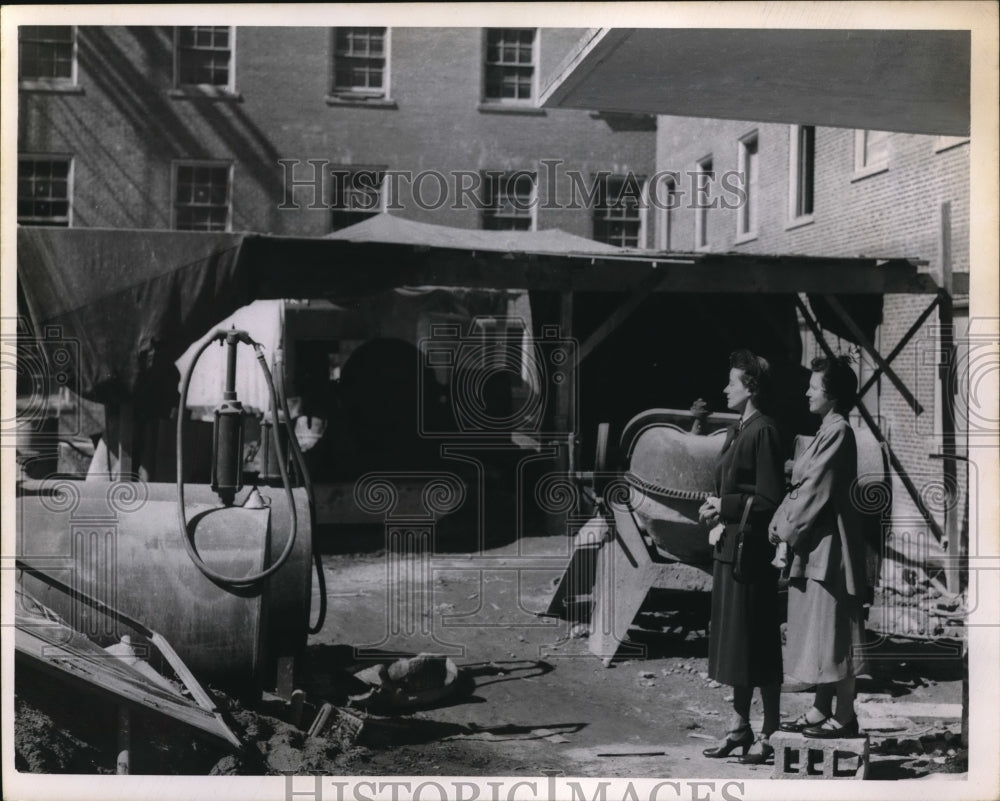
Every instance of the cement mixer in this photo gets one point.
(221, 571)
(645, 534)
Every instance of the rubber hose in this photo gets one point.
(186, 536)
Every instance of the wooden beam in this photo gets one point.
(619, 315)
(877, 432)
(946, 364)
(865, 343)
(902, 343)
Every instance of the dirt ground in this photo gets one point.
(534, 699)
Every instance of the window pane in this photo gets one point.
(509, 59)
(201, 199)
(45, 52)
(203, 56)
(359, 59)
(43, 191)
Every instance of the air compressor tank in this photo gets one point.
(120, 542)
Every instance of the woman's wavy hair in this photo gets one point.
(757, 377)
(839, 381)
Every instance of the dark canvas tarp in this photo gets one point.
(134, 300)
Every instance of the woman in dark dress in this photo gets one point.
(744, 648)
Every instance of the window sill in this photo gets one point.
(43, 87)
(487, 107)
(799, 222)
(866, 172)
(742, 239)
(213, 93)
(361, 102)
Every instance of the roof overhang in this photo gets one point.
(910, 81)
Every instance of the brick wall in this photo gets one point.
(124, 128)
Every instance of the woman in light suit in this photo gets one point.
(744, 649)
(827, 577)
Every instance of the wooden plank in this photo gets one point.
(874, 428)
(870, 349)
(901, 344)
(619, 316)
(947, 364)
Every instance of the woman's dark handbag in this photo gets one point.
(745, 558)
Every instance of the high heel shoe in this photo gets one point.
(832, 728)
(760, 752)
(735, 738)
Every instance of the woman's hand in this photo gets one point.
(708, 514)
(772, 533)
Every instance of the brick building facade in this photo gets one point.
(836, 192)
(160, 127)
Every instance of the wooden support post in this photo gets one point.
(123, 766)
(946, 363)
(119, 436)
(565, 393)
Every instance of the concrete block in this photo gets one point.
(799, 757)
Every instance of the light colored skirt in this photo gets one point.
(825, 633)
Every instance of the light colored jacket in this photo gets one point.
(817, 518)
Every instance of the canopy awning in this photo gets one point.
(132, 301)
(911, 81)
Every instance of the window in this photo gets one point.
(746, 226)
(617, 220)
(509, 201)
(801, 171)
(871, 152)
(44, 189)
(203, 56)
(47, 54)
(510, 65)
(703, 177)
(202, 196)
(356, 195)
(359, 63)
(669, 203)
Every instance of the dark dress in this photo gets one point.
(744, 645)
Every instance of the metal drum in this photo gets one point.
(119, 542)
(670, 473)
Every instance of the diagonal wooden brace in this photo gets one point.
(873, 426)
(865, 343)
(901, 344)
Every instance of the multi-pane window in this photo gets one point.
(510, 64)
(801, 170)
(359, 61)
(703, 202)
(617, 218)
(508, 201)
(355, 195)
(871, 151)
(203, 56)
(202, 196)
(44, 190)
(747, 211)
(46, 53)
